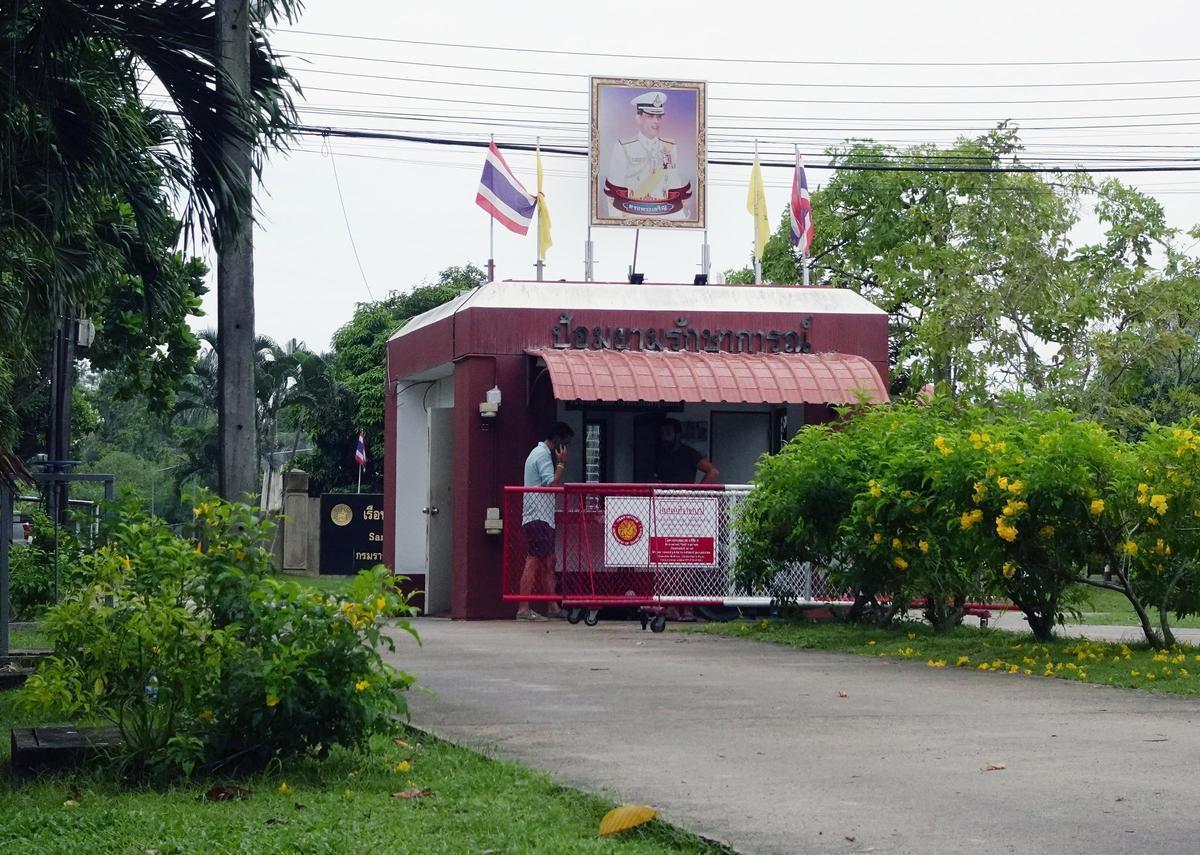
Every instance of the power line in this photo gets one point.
(756, 100)
(877, 167)
(757, 83)
(346, 218)
(749, 61)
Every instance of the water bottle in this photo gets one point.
(152, 689)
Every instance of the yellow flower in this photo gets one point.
(878, 538)
(206, 715)
(942, 446)
(272, 701)
(896, 544)
(380, 604)
(900, 563)
(1005, 531)
(403, 767)
(1016, 486)
(990, 472)
(1009, 569)
(1047, 532)
(362, 686)
(874, 488)
(980, 492)
(983, 666)
(940, 663)
(962, 660)
(1159, 502)
(1097, 507)
(871, 642)
(923, 545)
(1014, 507)
(1002, 482)
(284, 789)
(1129, 548)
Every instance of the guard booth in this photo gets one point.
(474, 383)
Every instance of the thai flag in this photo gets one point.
(360, 453)
(502, 196)
(802, 213)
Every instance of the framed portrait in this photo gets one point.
(647, 153)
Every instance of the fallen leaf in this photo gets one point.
(413, 794)
(398, 741)
(994, 767)
(625, 816)
(276, 821)
(300, 806)
(70, 803)
(851, 839)
(227, 794)
(842, 693)
(150, 852)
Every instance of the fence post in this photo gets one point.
(6, 529)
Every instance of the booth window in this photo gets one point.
(594, 459)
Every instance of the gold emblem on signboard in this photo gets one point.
(341, 514)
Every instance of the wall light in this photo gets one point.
(491, 404)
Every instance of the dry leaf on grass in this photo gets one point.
(413, 794)
(398, 741)
(625, 816)
(276, 821)
(994, 767)
(227, 794)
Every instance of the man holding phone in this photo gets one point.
(544, 467)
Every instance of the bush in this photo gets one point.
(943, 505)
(31, 572)
(205, 662)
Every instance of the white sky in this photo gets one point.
(411, 207)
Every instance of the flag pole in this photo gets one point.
(757, 260)
(360, 477)
(540, 264)
(803, 252)
(491, 263)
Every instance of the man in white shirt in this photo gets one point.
(646, 164)
(544, 467)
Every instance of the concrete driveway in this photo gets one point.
(750, 744)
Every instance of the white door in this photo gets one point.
(440, 510)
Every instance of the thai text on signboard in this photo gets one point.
(569, 335)
(679, 531)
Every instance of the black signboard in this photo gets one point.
(351, 532)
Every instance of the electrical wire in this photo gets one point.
(346, 218)
(525, 49)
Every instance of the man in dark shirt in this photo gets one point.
(676, 463)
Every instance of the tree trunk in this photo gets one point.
(235, 274)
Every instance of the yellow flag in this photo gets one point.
(756, 204)
(543, 213)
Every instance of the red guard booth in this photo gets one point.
(742, 368)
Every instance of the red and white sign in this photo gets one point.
(680, 531)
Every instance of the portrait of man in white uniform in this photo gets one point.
(647, 153)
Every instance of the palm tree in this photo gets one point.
(89, 173)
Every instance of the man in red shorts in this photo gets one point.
(543, 468)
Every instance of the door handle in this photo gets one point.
(433, 512)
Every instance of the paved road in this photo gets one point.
(750, 744)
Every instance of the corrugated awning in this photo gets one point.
(734, 378)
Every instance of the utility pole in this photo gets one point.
(235, 266)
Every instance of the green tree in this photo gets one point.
(360, 363)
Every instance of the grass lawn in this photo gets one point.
(26, 639)
(1111, 607)
(340, 805)
(1008, 654)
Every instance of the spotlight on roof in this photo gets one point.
(637, 278)
(701, 279)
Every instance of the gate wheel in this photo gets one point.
(659, 623)
(592, 618)
(574, 615)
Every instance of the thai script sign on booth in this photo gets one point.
(351, 532)
(676, 530)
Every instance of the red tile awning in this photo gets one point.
(733, 378)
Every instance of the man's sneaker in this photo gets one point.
(530, 614)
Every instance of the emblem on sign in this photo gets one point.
(624, 201)
(627, 529)
(341, 514)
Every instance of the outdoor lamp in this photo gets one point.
(491, 404)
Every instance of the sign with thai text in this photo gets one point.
(679, 531)
(569, 335)
(351, 532)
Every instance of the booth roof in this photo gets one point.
(569, 296)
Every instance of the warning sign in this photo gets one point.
(674, 530)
